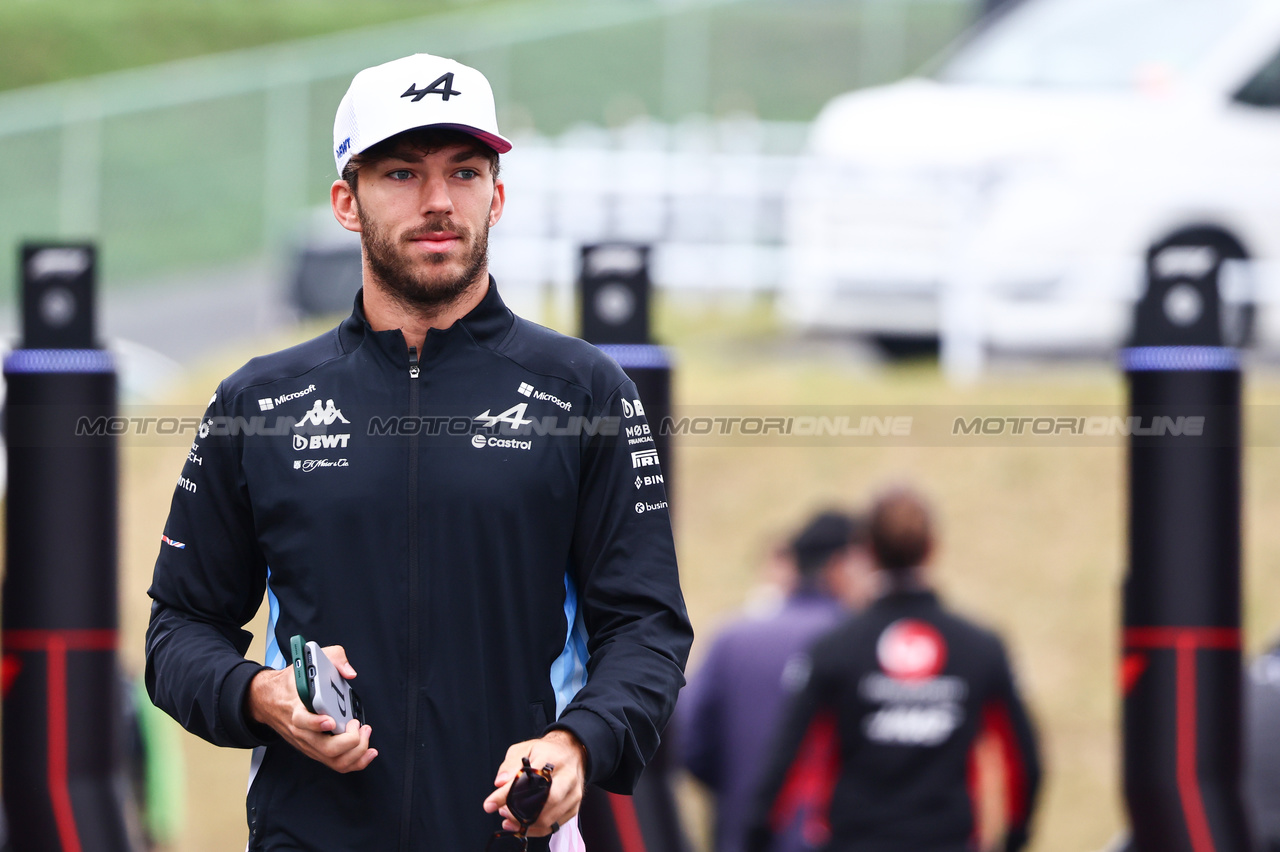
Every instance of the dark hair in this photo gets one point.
(422, 140)
(901, 530)
(823, 537)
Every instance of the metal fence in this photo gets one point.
(217, 160)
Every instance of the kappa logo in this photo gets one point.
(322, 415)
(513, 416)
(644, 458)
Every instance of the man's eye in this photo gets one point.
(468, 174)
(401, 174)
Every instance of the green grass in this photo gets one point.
(46, 40)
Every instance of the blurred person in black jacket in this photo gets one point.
(735, 700)
(885, 722)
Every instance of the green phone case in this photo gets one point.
(296, 650)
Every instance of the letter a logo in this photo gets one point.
(443, 86)
(513, 416)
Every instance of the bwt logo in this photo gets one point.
(320, 442)
(345, 146)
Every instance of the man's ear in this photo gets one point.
(346, 208)
(499, 199)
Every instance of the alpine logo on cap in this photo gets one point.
(443, 86)
(910, 649)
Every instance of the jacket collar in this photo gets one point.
(487, 324)
(896, 598)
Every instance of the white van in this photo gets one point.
(1008, 199)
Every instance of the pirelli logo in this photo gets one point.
(644, 458)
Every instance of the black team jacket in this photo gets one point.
(877, 750)
(482, 525)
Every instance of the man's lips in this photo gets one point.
(436, 241)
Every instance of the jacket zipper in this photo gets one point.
(411, 720)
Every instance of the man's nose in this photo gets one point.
(435, 196)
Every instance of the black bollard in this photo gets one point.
(64, 784)
(615, 289)
(1181, 669)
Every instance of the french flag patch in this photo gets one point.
(178, 544)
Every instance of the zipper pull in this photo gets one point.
(413, 362)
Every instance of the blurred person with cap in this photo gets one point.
(495, 586)
(888, 709)
(734, 702)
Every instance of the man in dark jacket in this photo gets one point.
(886, 718)
(436, 492)
(735, 701)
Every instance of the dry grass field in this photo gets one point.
(1032, 536)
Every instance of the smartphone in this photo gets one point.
(323, 691)
(297, 653)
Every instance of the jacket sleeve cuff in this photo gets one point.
(239, 728)
(596, 737)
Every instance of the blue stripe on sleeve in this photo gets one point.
(569, 671)
(275, 657)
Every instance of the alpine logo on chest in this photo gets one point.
(513, 417)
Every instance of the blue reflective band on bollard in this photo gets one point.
(59, 361)
(642, 355)
(1179, 358)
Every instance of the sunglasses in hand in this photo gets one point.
(525, 800)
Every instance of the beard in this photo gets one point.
(432, 287)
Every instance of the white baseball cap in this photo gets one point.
(417, 91)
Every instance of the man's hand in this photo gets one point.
(563, 751)
(273, 700)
